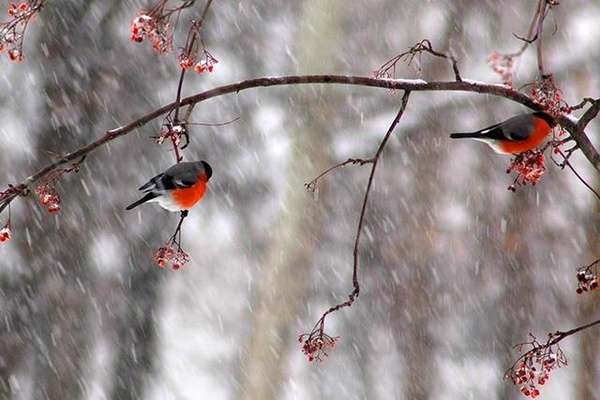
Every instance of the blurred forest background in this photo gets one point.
(455, 268)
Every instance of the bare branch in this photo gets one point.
(574, 128)
(312, 340)
(541, 14)
(567, 163)
(388, 69)
(580, 105)
(231, 121)
(312, 185)
(589, 114)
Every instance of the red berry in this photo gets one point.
(15, 55)
(200, 68)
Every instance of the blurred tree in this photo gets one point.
(290, 258)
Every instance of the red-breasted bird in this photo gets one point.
(515, 135)
(179, 188)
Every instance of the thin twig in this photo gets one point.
(320, 325)
(567, 163)
(188, 49)
(424, 46)
(539, 34)
(529, 39)
(214, 123)
(312, 185)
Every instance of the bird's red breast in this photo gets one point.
(186, 198)
(541, 129)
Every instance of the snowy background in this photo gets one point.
(455, 268)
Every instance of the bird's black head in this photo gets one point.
(207, 169)
(546, 117)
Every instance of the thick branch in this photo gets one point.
(569, 124)
(589, 114)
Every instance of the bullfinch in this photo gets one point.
(516, 135)
(179, 188)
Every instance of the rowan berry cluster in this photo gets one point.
(317, 344)
(587, 277)
(206, 63)
(529, 167)
(5, 233)
(533, 368)
(12, 31)
(156, 29)
(503, 65)
(545, 92)
(49, 196)
(194, 53)
(169, 255)
(155, 25)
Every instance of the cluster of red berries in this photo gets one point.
(167, 254)
(529, 166)
(503, 65)
(587, 280)
(19, 10)
(12, 31)
(534, 369)
(49, 197)
(5, 233)
(206, 63)
(157, 30)
(546, 93)
(315, 345)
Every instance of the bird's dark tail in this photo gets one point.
(469, 135)
(148, 196)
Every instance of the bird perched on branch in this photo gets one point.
(515, 135)
(179, 188)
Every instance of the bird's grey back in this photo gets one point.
(519, 127)
(185, 171)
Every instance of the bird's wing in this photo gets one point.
(151, 184)
(179, 176)
(182, 175)
(516, 128)
(519, 127)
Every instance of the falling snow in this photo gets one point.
(455, 269)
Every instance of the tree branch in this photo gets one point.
(314, 341)
(571, 125)
(312, 185)
(589, 114)
(541, 14)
